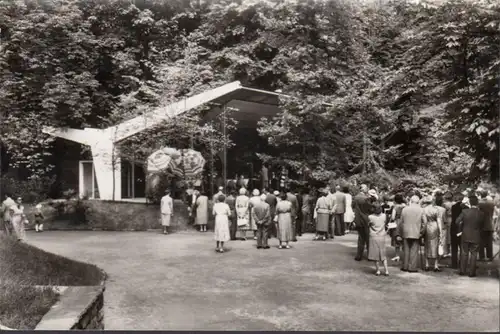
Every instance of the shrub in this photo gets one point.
(32, 190)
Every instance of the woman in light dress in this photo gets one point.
(376, 242)
(221, 211)
(18, 219)
(201, 218)
(254, 200)
(242, 212)
(322, 215)
(432, 219)
(349, 213)
(399, 205)
(284, 219)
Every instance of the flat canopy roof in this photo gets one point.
(251, 105)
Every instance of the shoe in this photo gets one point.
(403, 269)
(461, 274)
(222, 250)
(386, 273)
(266, 247)
(436, 270)
(294, 240)
(427, 269)
(377, 273)
(259, 247)
(287, 247)
(413, 271)
(357, 258)
(472, 275)
(280, 247)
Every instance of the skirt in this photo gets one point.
(284, 227)
(18, 227)
(394, 242)
(431, 240)
(165, 220)
(376, 248)
(322, 222)
(221, 228)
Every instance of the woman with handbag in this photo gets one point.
(399, 205)
(242, 212)
(284, 220)
(18, 219)
(432, 219)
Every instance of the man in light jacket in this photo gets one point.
(261, 213)
(5, 213)
(167, 211)
(338, 211)
(410, 230)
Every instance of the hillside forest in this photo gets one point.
(412, 88)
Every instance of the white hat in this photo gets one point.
(276, 193)
(373, 193)
(256, 192)
(263, 197)
(243, 191)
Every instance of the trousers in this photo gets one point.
(339, 224)
(410, 254)
(486, 244)
(262, 235)
(469, 252)
(455, 243)
(363, 235)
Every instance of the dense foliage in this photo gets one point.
(383, 86)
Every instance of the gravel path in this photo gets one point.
(178, 282)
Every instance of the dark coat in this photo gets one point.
(488, 208)
(471, 222)
(362, 209)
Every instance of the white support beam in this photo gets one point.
(108, 171)
(143, 122)
(76, 135)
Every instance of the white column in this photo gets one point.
(107, 164)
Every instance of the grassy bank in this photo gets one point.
(22, 305)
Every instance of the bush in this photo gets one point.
(32, 190)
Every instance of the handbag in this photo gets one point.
(440, 250)
(392, 225)
(275, 219)
(242, 222)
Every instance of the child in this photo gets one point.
(39, 218)
(376, 247)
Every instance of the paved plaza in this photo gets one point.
(178, 282)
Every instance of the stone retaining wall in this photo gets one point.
(79, 308)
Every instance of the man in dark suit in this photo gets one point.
(298, 222)
(339, 210)
(471, 223)
(272, 200)
(455, 240)
(410, 229)
(488, 208)
(295, 209)
(362, 209)
(231, 202)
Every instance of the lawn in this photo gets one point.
(22, 268)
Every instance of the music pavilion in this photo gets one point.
(107, 177)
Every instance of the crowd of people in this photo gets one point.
(461, 226)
